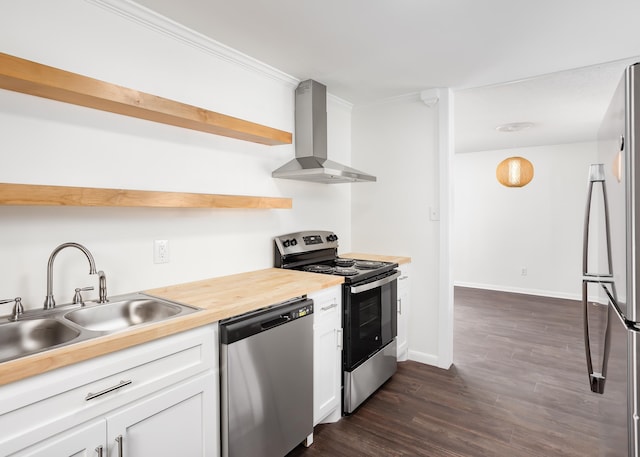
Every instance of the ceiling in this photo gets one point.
(369, 50)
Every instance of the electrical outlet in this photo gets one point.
(161, 251)
(523, 272)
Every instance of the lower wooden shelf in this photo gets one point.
(39, 195)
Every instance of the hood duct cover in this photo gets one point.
(311, 163)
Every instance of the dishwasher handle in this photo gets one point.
(275, 322)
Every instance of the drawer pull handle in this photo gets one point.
(119, 440)
(325, 308)
(99, 451)
(91, 396)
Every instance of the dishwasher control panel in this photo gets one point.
(301, 312)
(246, 325)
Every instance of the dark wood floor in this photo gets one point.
(518, 388)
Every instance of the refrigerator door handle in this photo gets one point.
(596, 379)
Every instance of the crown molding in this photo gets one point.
(340, 102)
(410, 97)
(156, 22)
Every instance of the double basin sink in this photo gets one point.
(43, 330)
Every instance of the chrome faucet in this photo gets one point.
(49, 301)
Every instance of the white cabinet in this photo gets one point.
(404, 307)
(86, 440)
(158, 398)
(172, 423)
(327, 355)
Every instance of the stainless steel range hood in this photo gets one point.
(311, 163)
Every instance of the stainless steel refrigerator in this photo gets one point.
(611, 273)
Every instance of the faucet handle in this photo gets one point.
(77, 298)
(18, 309)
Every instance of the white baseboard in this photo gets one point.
(518, 290)
(427, 359)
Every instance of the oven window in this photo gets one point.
(369, 318)
(370, 322)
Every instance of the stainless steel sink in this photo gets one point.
(119, 315)
(39, 330)
(25, 337)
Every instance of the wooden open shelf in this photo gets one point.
(32, 78)
(37, 195)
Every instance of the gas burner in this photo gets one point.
(344, 262)
(319, 269)
(368, 264)
(345, 271)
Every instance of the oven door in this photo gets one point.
(370, 314)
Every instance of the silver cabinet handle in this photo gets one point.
(339, 337)
(325, 308)
(399, 305)
(402, 278)
(119, 441)
(99, 450)
(91, 396)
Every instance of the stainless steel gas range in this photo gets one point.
(369, 298)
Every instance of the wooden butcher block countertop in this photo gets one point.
(233, 295)
(218, 298)
(378, 258)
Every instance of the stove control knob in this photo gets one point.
(294, 242)
(286, 243)
(332, 237)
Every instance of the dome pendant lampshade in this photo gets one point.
(514, 172)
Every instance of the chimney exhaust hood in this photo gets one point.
(311, 163)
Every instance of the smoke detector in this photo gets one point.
(514, 127)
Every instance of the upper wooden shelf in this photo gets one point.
(36, 195)
(32, 78)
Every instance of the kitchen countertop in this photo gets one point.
(218, 298)
(379, 258)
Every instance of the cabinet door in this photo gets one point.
(178, 421)
(404, 306)
(327, 356)
(83, 441)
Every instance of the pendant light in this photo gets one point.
(514, 172)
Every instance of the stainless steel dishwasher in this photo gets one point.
(266, 370)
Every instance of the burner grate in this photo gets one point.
(319, 269)
(344, 262)
(368, 264)
(345, 271)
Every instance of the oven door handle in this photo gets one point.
(374, 284)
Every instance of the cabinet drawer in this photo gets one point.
(57, 400)
(326, 303)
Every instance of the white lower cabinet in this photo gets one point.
(327, 355)
(404, 307)
(170, 423)
(86, 440)
(156, 399)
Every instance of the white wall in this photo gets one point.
(396, 141)
(48, 142)
(499, 230)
